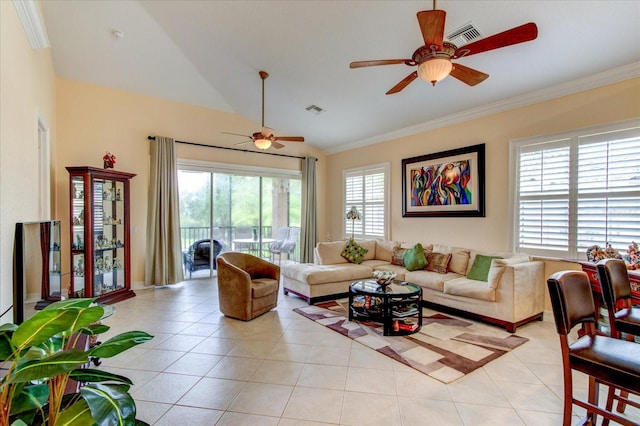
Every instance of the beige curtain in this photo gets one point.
(308, 227)
(163, 263)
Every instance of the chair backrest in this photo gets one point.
(571, 300)
(281, 236)
(614, 280)
(290, 243)
(201, 248)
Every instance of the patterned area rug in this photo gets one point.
(445, 348)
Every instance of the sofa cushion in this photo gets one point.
(415, 259)
(429, 279)
(353, 252)
(370, 245)
(469, 288)
(480, 269)
(459, 262)
(311, 273)
(328, 253)
(384, 249)
(261, 287)
(397, 257)
(437, 262)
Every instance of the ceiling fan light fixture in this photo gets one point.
(434, 70)
(263, 143)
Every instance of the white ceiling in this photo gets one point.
(208, 53)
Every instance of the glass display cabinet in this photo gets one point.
(37, 267)
(99, 239)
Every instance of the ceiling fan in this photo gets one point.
(265, 139)
(434, 58)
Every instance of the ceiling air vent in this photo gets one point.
(314, 109)
(464, 35)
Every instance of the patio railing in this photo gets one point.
(227, 234)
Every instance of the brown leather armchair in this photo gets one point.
(247, 285)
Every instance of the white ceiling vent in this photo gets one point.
(464, 35)
(314, 109)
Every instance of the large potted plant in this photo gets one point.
(43, 353)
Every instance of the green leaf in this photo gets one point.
(86, 316)
(6, 348)
(109, 404)
(119, 343)
(71, 303)
(87, 375)
(29, 398)
(59, 363)
(78, 414)
(93, 329)
(42, 326)
(8, 328)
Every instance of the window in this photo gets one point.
(367, 188)
(241, 207)
(576, 190)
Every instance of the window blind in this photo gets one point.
(579, 190)
(366, 189)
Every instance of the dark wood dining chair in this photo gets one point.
(606, 360)
(616, 294)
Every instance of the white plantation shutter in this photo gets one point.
(366, 188)
(578, 190)
(609, 189)
(544, 197)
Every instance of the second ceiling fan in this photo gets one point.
(265, 138)
(434, 58)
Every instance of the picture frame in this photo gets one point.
(445, 184)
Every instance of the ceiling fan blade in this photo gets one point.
(468, 75)
(266, 132)
(360, 64)
(432, 26)
(236, 134)
(289, 138)
(276, 145)
(243, 142)
(404, 83)
(526, 32)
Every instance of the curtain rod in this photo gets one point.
(152, 138)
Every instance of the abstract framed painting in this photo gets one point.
(447, 183)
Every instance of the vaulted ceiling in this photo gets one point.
(208, 53)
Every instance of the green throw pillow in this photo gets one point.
(415, 259)
(353, 252)
(480, 268)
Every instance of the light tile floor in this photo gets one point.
(202, 368)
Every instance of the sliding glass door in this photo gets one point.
(236, 210)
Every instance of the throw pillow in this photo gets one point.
(397, 257)
(353, 252)
(480, 269)
(414, 258)
(437, 262)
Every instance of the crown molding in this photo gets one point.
(32, 22)
(615, 75)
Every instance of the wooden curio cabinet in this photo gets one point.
(99, 224)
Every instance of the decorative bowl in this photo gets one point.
(384, 278)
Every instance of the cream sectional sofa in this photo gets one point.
(512, 295)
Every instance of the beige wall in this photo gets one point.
(94, 119)
(606, 104)
(27, 92)
(86, 120)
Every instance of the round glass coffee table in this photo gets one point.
(396, 306)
